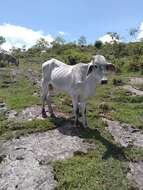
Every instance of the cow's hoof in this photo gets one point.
(76, 124)
(44, 115)
(86, 126)
(53, 115)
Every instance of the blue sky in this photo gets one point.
(92, 18)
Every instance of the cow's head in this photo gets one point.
(98, 68)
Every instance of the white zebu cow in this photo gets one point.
(78, 80)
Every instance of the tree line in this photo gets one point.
(128, 57)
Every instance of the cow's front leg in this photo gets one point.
(75, 109)
(84, 118)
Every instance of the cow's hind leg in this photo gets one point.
(49, 105)
(75, 109)
(44, 96)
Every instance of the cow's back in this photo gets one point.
(48, 67)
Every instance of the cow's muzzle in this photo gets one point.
(104, 81)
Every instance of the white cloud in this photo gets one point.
(63, 33)
(107, 38)
(140, 33)
(18, 36)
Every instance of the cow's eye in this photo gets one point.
(102, 67)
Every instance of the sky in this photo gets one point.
(25, 21)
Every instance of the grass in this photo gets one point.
(90, 172)
(134, 154)
(104, 167)
(97, 170)
(128, 108)
(117, 104)
(18, 95)
(129, 113)
(101, 169)
(9, 130)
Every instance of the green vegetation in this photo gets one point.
(102, 168)
(15, 129)
(90, 172)
(17, 95)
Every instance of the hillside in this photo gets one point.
(51, 153)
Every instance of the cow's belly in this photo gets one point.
(61, 79)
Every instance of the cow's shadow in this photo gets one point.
(66, 127)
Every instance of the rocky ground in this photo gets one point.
(136, 80)
(25, 162)
(126, 136)
(133, 90)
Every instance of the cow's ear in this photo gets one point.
(110, 67)
(90, 69)
(92, 58)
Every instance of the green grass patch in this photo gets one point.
(134, 154)
(90, 173)
(129, 113)
(14, 129)
(19, 95)
(115, 103)
(124, 97)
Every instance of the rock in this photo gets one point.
(11, 114)
(36, 94)
(136, 174)
(136, 80)
(2, 104)
(31, 113)
(133, 90)
(27, 162)
(105, 107)
(125, 134)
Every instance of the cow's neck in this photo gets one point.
(90, 86)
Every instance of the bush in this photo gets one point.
(3, 64)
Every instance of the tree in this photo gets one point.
(59, 40)
(41, 44)
(2, 40)
(114, 36)
(82, 41)
(23, 48)
(133, 32)
(98, 44)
